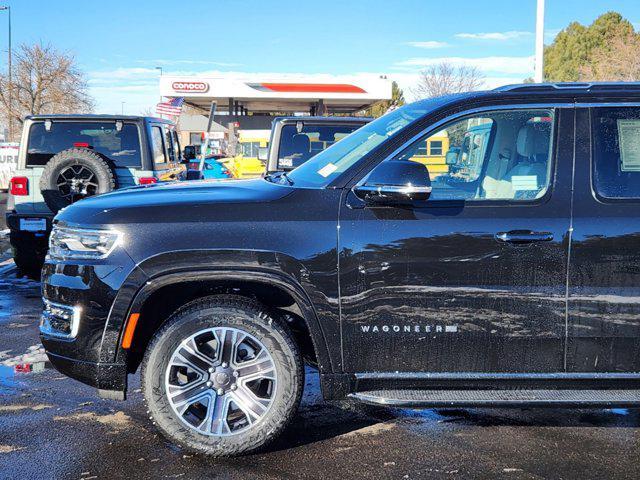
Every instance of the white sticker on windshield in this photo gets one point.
(327, 170)
(629, 140)
(524, 182)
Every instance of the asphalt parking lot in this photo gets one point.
(53, 427)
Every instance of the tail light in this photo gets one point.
(19, 186)
(147, 180)
(193, 166)
(81, 145)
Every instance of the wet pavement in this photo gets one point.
(53, 427)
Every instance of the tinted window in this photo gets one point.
(121, 147)
(502, 155)
(298, 147)
(616, 152)
(158, 146)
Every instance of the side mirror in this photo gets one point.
(395, 183)
(452, 157)
(189, 153)
(263, 153)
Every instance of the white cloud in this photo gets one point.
(499, 66)
(430, 44)
(500, 36)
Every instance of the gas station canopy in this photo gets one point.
(313, 94)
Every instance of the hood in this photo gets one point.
(170, 200)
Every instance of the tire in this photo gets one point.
(76, 164)
(28, 264)
(219, 316)
(28, 254)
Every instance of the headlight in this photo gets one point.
(67, 242)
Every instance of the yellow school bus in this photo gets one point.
(432, 154)
(246, 164)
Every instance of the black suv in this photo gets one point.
(514, 283)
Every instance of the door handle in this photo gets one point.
(523, 236)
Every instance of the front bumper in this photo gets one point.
(102, 292)
(103, 376)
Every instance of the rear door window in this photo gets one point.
(157, 144)
(616, 152)
(122, 147)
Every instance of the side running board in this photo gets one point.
(499, 398)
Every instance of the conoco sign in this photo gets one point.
(190, 87)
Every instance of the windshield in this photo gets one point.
(297, 145)
(123, 147)
(328, 164)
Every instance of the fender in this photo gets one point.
(187, 266)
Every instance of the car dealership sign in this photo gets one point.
(190, 87)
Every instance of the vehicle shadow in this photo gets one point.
(542, 417)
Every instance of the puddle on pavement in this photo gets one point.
(10, 374)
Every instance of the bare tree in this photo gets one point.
(44, 81)
(618, 60)
(444, 78)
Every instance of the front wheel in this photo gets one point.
(222, 377)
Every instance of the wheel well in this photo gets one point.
(162, 303)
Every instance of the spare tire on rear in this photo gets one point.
(74, 174)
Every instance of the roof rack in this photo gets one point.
(548, 87)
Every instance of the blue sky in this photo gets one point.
(119, 43)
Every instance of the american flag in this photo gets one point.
(171, 107)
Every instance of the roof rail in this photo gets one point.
(547, 87)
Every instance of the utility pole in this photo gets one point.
(122, 108)
(539, 66)
(10, 119)
(160, 68)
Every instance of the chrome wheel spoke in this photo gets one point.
(183, 398)
(188, 358)
(260, 367)
(226, 344)
(251, 405)
(219, 414)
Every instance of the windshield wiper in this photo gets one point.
(287, 178)
(276, 176)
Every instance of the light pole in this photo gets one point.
(160, 68)
(8, 9)
(539, 66)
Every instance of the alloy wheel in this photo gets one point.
(220, 381)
